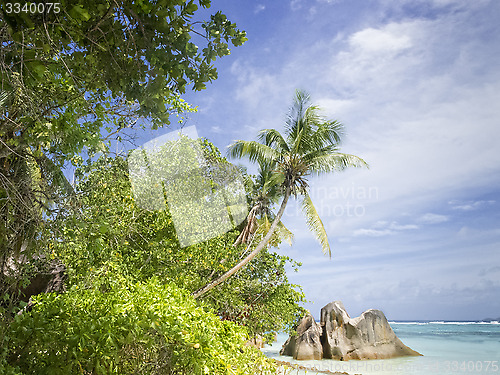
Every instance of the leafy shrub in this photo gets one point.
(145, 245)
(118, 327)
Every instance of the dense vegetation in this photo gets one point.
(128, 297)
(113, 326)
(72, 81)
(128, 291)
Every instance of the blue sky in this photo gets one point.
(417, 86)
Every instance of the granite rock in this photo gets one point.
(307, 343)
(340, 337)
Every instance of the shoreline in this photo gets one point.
(307, 368)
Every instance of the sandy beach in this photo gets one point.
(288, 368)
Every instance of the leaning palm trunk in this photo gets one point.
(250, 227)
(310, 146)
(253, 254)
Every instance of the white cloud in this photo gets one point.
(396, 226)
(380, 40)
(335, 106)
(430, 218)
(381, 224)
(470, 205)
(257, 90)
(383, 228)
(312, 13)
(373, 232)
(216, 129)
(471, 234)
(295, 4)
(259, 8)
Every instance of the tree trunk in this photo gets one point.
(249, 229)
(250, 256)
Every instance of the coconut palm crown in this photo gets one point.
(310, 146)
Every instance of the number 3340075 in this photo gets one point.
(32, 8)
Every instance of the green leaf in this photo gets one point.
(79, 12)
(191, 7)
(315, 224)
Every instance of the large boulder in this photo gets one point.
(44, 275)
(369, 336)
(49, 276)
(307, 343)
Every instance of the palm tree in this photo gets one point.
(309, 146)
(263, 195)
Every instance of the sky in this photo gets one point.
(417, 86)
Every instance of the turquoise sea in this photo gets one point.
(447, 348)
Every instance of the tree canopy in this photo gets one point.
(73, 78)
(76, 76)
(128, 307)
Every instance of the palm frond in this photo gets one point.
(322, 151)
(265, 223)
(335, 161)
(281, 233)
(274, 139)
(315, 224)
(308, 130)
(272, 183)
(296, 115)
(327, 133)
(284, 234)
(255, 151)
(4, 95)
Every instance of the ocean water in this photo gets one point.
(447, 348)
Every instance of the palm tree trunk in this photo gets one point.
(250, 256)
(249, 229)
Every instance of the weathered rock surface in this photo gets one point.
(307, 343)
(48, 278)
(45, 276)
(369, 336)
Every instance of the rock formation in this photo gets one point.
(307, 343)
(369, 336)
(45, 276)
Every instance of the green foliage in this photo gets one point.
(113, 326)
(91, 53)
(128, 307)
(204, 197)
(73, 79)
(260, 296)
(111, 227)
